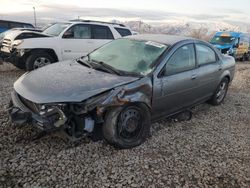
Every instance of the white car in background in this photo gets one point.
(61, 41)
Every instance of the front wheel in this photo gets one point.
(127, 127)
(220, 93)
(38, 59)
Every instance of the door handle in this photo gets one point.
(194, 76)
(67, 50)
(220, 68)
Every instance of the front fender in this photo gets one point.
(139, 91)
(41, 43)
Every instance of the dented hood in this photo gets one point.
(23, 34)
(66, 81)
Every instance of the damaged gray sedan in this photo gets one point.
(119, 89)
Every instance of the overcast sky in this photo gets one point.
(153, 11)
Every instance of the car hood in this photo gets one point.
(66, 81)
(13, 34)
(222, 47)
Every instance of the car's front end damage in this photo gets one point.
(73, 116)
(44, 117)
(10, 50)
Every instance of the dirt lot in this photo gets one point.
(211, 150)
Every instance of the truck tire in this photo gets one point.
(38, 59)
(19, 65)
(128, 126)
(220, 92)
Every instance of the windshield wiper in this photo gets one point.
(103, 66)
(82, 62)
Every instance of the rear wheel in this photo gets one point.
(38, 59)
(220, 93)
(127, 127)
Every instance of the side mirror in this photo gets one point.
(68, 35)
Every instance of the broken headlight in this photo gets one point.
(55, 113)
(17, 43)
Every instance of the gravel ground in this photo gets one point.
(211, 150)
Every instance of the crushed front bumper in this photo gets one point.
(12, 57)
(20, 115)
(9, 57)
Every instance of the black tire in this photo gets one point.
(128, 126)
(35, 56)
(220, 94)
(20, 65)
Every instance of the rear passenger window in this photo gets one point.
(123, 32)
(205, 54)
(101, 32)
(182, 60)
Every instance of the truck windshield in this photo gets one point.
(56, 29)
(129, 55)
(222, 40)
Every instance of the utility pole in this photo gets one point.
(34, 15)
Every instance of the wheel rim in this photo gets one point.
(222, 91)
(40, 62)
(130, 124)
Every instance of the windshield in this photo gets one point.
(222, 40)
(56, 29)
(129, 55)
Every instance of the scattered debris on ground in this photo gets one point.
(212, 149)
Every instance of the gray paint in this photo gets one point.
(71, 82)
(67, 81)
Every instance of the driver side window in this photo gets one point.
(78, 32)
(182, 60)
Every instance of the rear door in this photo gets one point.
(100, 36)
(208, 72)
(175, 88)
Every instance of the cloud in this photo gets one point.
(59, 12)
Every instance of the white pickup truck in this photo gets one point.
(61, 41)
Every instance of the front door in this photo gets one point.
(76, 41)
(176, 87)
(82, 39)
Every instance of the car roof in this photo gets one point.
(113, 24)
(160, 38)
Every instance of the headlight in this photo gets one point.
(17, 42)
(44, 109)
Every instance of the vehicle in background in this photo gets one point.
(120, 88)
(2, 35)
(233, 43)
(19, 30)
(6, 25)
(61, 41)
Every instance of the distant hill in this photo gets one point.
(181, 28)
